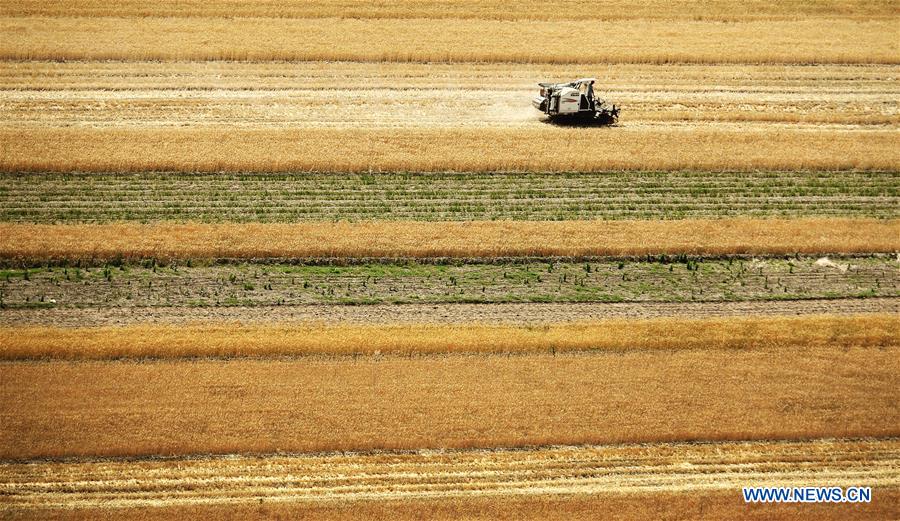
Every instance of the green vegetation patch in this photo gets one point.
(225, 197)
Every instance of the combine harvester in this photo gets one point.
(574, 102)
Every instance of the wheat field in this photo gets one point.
(239, 150)
(215, 116)
(487, 239)
(234, 406)
(449, 40)
(322, 259)
(237, 340)
(718, 10)
(403, 95)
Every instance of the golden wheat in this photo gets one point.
(103, 408)
(233, 339)
(512, 149)
(32, 243)
(835, 40)
(721, 10)
(648, 82)
(130, 391)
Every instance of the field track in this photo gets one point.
(122, 408)
(586, 471)
(521, 314)
(657, 279)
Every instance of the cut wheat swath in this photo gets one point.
(232, 339)
(37, 243)
(404, 105)
(597, 471)
(711, 505)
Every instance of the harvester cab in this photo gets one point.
(575, 101)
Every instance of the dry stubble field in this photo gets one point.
(237, 117)
(238, 237)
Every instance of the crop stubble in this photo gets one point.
(708, 505)
(577, 472)
(345, 94)
(389, 117)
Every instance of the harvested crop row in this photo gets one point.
(104, 408)
(272, 95)
(531, 314)
(36, 243)
(449, 40)
(105, 197)
(238, 340)
(420, 475)
(436, 109)
(661, 279)
(720, 10)
(434, 150)
(708, 505)
(848, 106)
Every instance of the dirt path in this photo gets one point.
(439, 313)
(414, 282)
